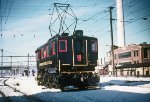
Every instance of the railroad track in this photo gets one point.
(7, 98)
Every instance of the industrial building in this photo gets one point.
(132, 60)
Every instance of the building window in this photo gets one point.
(135, 53)
(62, 45)
(124, 55)
(115, 56)
(146, 53)
(127, 73)
(94, 46)
(134, 73)
(138, 73)
(147, 73)
(131, 73)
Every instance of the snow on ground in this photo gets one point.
(28, 85)
(126, 84)
(113, 89)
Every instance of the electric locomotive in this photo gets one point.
(68, 60)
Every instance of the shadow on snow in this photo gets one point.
(86, 96)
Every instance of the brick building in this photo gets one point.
(132, 60)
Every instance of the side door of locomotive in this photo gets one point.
(79, 52)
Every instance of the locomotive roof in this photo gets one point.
(58, 36)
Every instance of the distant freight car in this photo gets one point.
(68, 60)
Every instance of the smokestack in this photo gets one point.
(120, 24)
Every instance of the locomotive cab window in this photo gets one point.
(94, 46)
(45, 54)
(47, 51)
(38, 55)
(53, 48)
(42, 53)
(62, 45)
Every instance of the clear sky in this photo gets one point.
(24, 23)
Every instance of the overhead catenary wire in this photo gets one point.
(89, 17)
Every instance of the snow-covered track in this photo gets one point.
(7, 98)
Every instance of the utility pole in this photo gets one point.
(2, 54)
(28, 65)
(1, 15)
(11, 61)
(112, 42)
(104, 61)
(1, 61)
(1, 35)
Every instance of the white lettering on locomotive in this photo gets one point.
(45, 63)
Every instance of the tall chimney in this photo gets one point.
(120, 24)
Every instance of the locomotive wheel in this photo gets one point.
(54, 82)
(51, 81)
(49, 85)
(39, 79)
(83, 86)
(38, 82)
(42, 81)
(62, 88)
(55, 85)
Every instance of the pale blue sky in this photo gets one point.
(25, 23)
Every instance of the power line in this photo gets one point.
(5, 8)
(84, 20)
(8, 15)
(38, 7)
(138, 32)
(139, 9)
